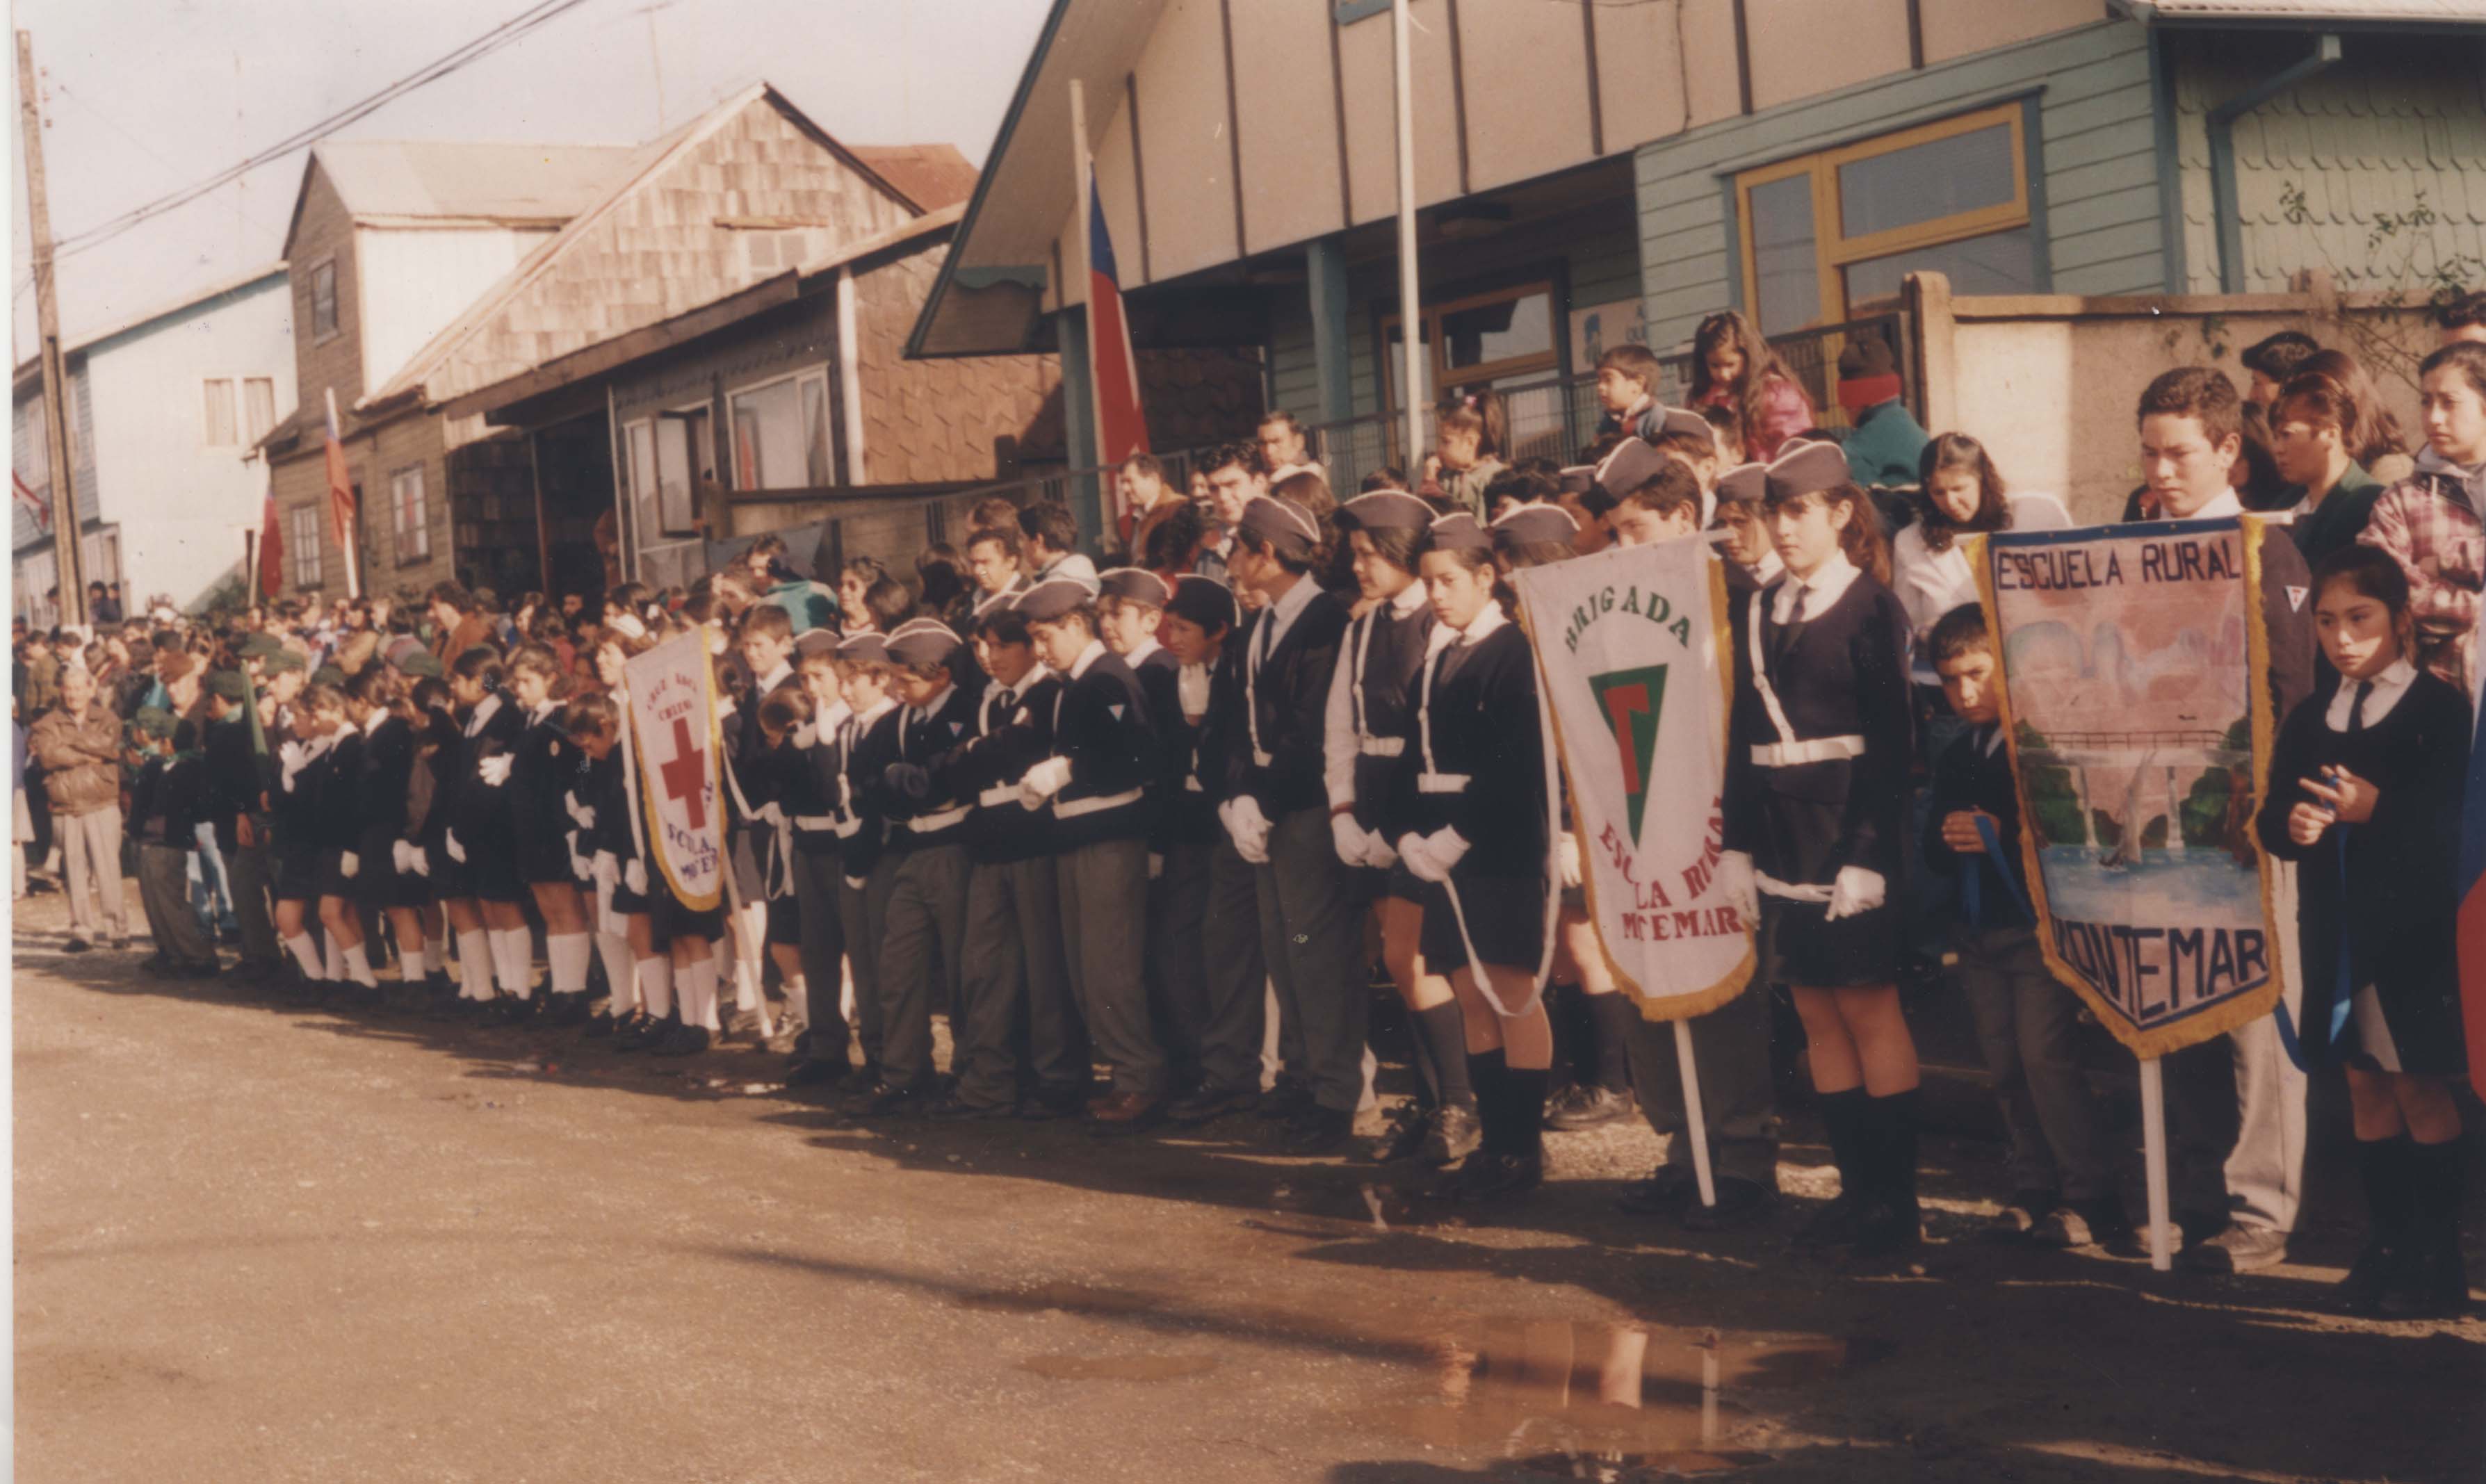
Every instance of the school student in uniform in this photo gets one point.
(1014, 1043)
(235, 776)
(2365, 795)
(1484, 845)
(786, 728)
(811, 793)
(595, 725)
(164, 800)
(604, 841)
(341, 805)
(764, 641)
(927, 903)
(386, 883)
(2063, 1167)
(1278, 815)
(1373, 801)
(1206, 945)
(543, 821)
(1818, 756)
(480, 885)
(1095, 786)
(868, 745)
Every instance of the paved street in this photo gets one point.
(255, 1245)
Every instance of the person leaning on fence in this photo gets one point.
(2429, 521)
(1734, 369)
(78, 743)
(1884, 440)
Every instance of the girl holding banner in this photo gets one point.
(1483, 846)
(1818, 751)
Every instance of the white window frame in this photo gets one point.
(827, 449)
(303, 546)
(251, 428)
(412, 541)
(680, 416)
(336, 308)
(207, 438)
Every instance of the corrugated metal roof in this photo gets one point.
(417, 178)
(2316, 11)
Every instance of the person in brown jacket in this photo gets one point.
(80, 746)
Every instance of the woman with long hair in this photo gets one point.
(1733, 368)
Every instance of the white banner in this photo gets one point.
(673, 724)
(1628, 650)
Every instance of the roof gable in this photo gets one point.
(657, 241)
(430, 182)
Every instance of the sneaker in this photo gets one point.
(1451, 1135)
(2020, 1216)
(1588, 1107)
(2240, 1249)
(1662, 1192)
(1740, 1203)
(2099, 1223)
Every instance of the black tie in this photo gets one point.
(1268, 638)
(1784, 638)
(2357, 708)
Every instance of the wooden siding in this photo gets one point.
(2099, 176)
(324, 233)
(974, 418)
(2393, 120)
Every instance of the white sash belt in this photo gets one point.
(1381, 747)
(1789, 754)
(1072, 809)
(818, 824)
(1784, 891)
(1441, 783)
(1261, 760)
(998, 795)
(926, 824)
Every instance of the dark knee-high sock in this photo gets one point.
(2384, 1165)
(1441, 1035)
(1526, 1091)
(1488, 1078)
(1893, 1147)
(2433, 1180)
(1842, 1122)
(1612, 1016)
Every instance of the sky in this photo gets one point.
(144, 97)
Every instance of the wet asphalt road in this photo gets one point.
(255, 1245)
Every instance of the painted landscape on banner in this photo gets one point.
(1627, 650)
(2130, 655)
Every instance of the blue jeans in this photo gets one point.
(211, 888)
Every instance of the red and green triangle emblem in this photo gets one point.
(1630, 700)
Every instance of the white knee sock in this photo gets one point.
(413, 965)
(306, 953)
(568, 954)
(335, 956)
(615, 951)
(514, 961)
(746, 983)
(698, 984)
(845, 990)
(358, 966)
(798, 1000)
(656, 983)
(475, 962)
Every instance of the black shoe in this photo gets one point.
(1318, 1131)
(2371, 1277)
(1285, 1101)
(955, 1109)
(635, 1031)
(1740, 1203)
(1487, 1179)
(2021, 1215)
(815, 1072)
(77, 945)
(1662, 1192)
(566, 1009)
(1209, 1104)
(1452, 1136)
(887, 1100)
(1052, 1104)
(1886, 1226)
(1402, 1138)
(1588, 1108)
(197, 969)
(508, 1010)
(602, 1024)
(680, 1040)
(1834, 1225)
(157, 965)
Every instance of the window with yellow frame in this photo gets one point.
(1829, 231)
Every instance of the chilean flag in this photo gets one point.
(340, 502)
(2473, 901)
(1122, 430)
(271, 549)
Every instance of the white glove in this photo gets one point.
(584, 813)
(771, 815)
(1156, 865)
(606, 868)
(577, 862)
(1735, 885)
(350, 865)
(1350, 839)
(417, 862)
(1044, 781)
(1377, 852)
(807, 737)
(296, 757)
(1250, 829)
(494, 771)
(1432, 856)
(1856, 891)
(399, 853)
(456, 851)
(1567, 855)
(634, 877)
(854, 883)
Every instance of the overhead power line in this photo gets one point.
(466, 55)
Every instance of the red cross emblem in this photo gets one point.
(686, 775)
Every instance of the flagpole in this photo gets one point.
(1696, 1121)
(1082, 179)
(348, 538)
(1411, 380)
(2153, 1159)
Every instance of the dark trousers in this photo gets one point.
(1217, 982)
(823, 943)
(1016, 1029)
(861, 913)
(1103, 887)
(2024, 1024)
(253, 869)
(1177, 969)
(164, 895)
(1311, 935)
(1730, 1054)
(919, 930)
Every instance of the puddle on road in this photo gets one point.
(1589, 1398)
(1137, 1367)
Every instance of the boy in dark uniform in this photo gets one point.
(868, 744)
(163, 820)
(812, 794)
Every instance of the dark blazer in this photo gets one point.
(387, 770)
(1101, 724)
(1013, 734)
(1289, 707)
(1966, 776)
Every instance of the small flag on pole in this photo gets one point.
(340, 502)
(1122, 429)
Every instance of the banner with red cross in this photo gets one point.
(674, 736)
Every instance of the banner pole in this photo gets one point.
(1696, 1123)
(2153, 1147)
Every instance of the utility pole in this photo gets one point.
(69, 563)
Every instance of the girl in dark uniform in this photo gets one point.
(1372, 801)
(386, 882)
(293, 810)
(2365, 785)
(1816, 796)
(544, 819)
(604, 840)
(595, 724)
(437, 746)
(340, 824)
(480, 886)
(1484, 842)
